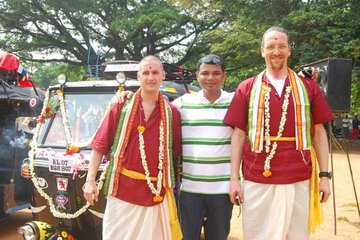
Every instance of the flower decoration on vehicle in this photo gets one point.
(72, 149)
(80, 158)
(121, 89)
(51, 104)
(50, 110)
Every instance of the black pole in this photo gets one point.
(33, 86)
(333, 178)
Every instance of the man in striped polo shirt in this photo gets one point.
(206, 154)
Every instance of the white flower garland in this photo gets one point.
(33, 150)
(267, 172)
(156, 191)
(66, 124)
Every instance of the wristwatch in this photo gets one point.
(325, 174)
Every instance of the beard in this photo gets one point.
(277, 65)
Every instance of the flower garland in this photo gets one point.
(66, 124)
(49, 199)
(72, 149)
(156, 191)
(267, 172)
(51, 107)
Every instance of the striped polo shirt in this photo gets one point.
(206, 143)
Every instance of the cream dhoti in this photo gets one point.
(123, 220)
(280, 211)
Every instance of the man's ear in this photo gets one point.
(262, 52)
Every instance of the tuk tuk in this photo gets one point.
(59, 156)
(16, 90)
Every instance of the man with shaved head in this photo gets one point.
(143, 136)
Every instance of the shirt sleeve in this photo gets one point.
(177, 103)
(105, 134)
(176, 129)
(237, 113)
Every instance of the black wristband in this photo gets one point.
(325, 174)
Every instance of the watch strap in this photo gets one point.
(325, 174)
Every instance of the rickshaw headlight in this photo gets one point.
(62, 79)
(36, 230)
(121, 78)
(27, 232)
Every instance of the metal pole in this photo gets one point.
(333, 179)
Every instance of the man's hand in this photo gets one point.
(324, 188)
(122, 96)
(310, 72)
(91, 192)
(236, 192)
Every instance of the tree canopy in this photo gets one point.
(181, 31)
(64, 30)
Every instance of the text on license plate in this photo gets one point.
(61, 165)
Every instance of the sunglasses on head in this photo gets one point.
(211, 60)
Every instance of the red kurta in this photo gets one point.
(288, 165)
(131, 190)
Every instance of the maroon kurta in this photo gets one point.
(288, 164)
(131, 190)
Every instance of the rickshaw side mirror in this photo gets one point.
(32, 124)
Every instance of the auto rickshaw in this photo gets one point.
(59, 156)
(16, 91)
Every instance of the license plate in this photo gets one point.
(65, 165)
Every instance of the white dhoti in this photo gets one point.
(276, 211)
(127, 221)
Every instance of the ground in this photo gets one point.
(346, 212)
(347, 215)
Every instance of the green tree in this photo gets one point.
(125, 29)
(45, 75)
(318, 29)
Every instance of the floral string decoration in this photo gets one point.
(72, 150)
(50, 109)
(154, 190)
(121, 89)
(66, 123)
(51, 104)
(267, 172)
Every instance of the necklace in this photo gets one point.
(267, 172)
(158, 188)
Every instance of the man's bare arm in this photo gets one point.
(90, 189)
(237, 142)
(322, 153)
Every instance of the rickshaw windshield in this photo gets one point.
(83, 112)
